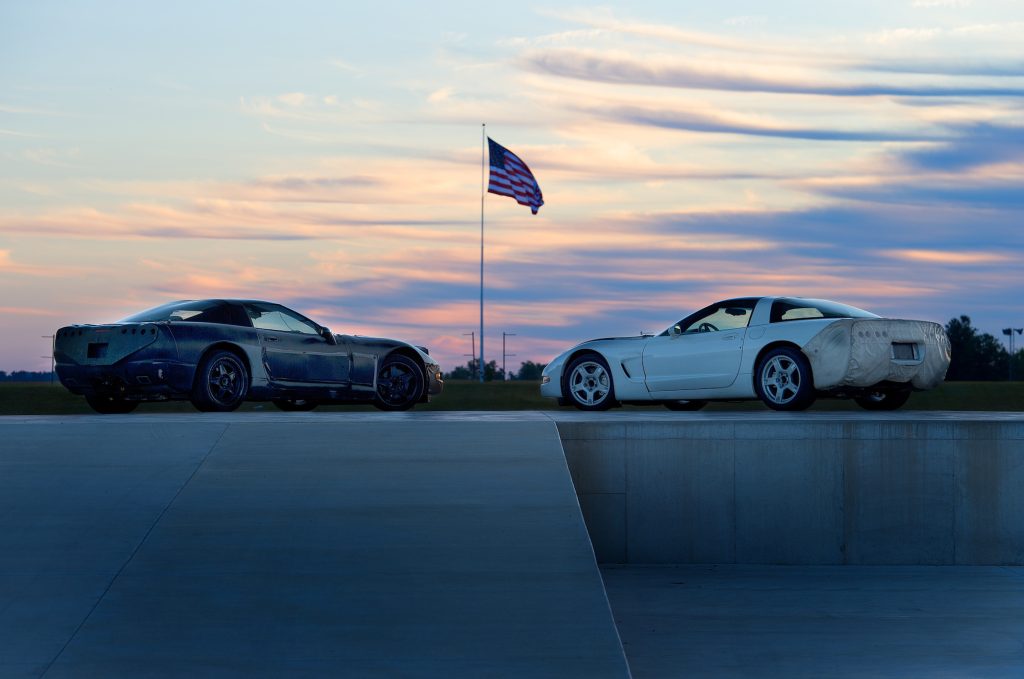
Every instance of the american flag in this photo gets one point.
(511, 177)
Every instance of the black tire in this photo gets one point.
(111, 405)
(221, 383)
(588, 383)
(688, 406)
(783, 380)
(400, 383)
(295, 404)
(883, 399)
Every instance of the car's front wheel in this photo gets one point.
(783, 380)
(295, 404)
(400, 383)
(111, 405)
(221, 383)
(589, 384)
(883, 399)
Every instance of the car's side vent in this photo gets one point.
(626, 370)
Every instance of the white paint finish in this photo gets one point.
(702, 361)
(720, 364)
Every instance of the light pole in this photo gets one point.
(472, 344)
(1009, 332)
(503, 354)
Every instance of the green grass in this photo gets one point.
(32, 398)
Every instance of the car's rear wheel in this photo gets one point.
(221, 383)
(400, 383)
(110, 405)
(883, 399)
(589, 384)
(294, 404)
(685, 405)
(783, 380)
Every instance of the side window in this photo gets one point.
(728, 316)
(272, 317)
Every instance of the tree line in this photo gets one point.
(979, 356)
(25, 376)
(528, 370)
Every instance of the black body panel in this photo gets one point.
(156, 357)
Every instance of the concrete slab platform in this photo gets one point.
(231, 546)
(795, 622)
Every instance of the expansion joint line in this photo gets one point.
(135, 551)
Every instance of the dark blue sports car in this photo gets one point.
(221, 352)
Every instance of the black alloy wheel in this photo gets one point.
(400, 383)
(783, 380)
(883, 399)
(110, 405)
(221, 383)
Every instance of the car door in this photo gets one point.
(294, 350)
(703, 351)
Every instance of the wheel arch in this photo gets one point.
(410, 353)
(582, 351)
(223, 346)
(777, 344)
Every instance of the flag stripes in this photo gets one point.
(511, 177)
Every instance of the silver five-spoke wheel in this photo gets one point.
(784, 380)
(589, 383)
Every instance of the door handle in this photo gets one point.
(730, 337)
(269, 338)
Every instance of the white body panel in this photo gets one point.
(721, 364)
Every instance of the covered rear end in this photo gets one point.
(134, 361)
(864, 353)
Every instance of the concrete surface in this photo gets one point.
(233, 545)
(450, 544)
(807, 488)
(797, 622)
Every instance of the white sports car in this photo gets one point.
(785, 351)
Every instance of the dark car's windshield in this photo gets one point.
(202, 311)
(794, 309)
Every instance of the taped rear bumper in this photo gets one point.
(865, 352)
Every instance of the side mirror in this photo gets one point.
(328, 335)
(676, 331)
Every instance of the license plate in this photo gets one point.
(904, 351)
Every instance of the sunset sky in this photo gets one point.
(326, 155)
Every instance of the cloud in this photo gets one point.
(1011, 68)
(986, 194)
(700, 122)
(27, 311)
(628, 70)
(947, 257)
(971, 146)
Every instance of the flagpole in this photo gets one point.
(483, 141)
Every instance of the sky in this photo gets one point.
(327, 155)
